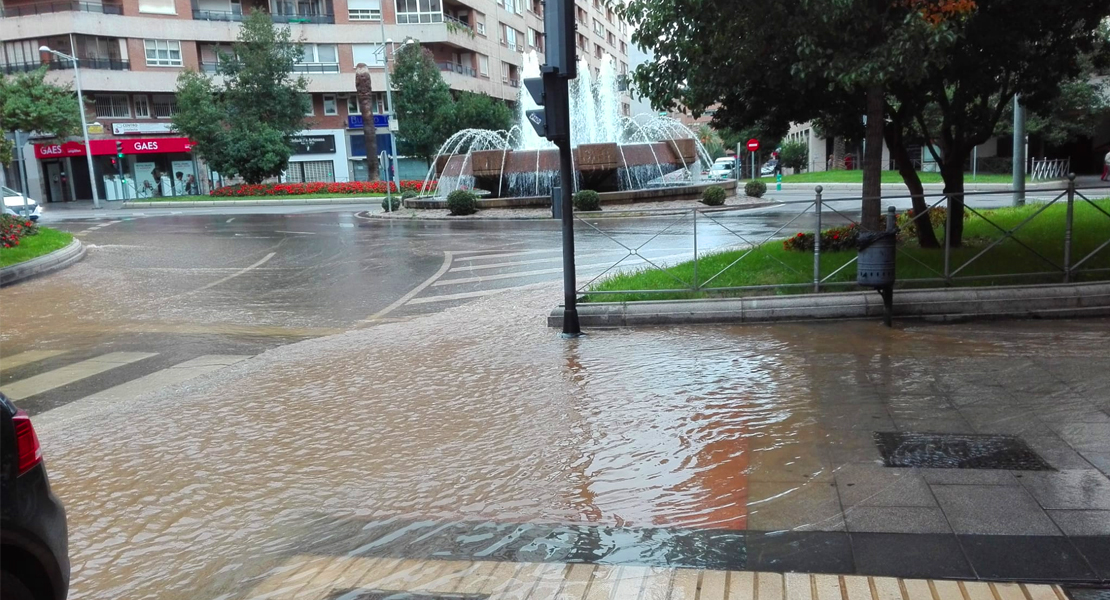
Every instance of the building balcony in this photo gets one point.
(210, 67)
(110, 64)
(450, 67)
(43, 8)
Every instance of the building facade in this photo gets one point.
(132, 51)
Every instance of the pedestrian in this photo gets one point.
(828, 163)
(191, 185)
(1106, 167)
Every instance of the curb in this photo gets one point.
(41, 265)
(211, 203)
(928, 187)
(941, 304)
(613, 214)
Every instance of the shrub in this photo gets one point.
(13, 228)
(587, 200)
(391, 203)
(713, 195)
(832, 240)
(795, 155)
(405, 195)
(462, 202)
(755, 189)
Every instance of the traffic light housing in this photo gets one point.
(119, 149)
(558, 26)
(552, 119)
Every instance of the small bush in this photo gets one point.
(394, 201)
(832, 240)
(713, 195)
(462, 202)
(13, 228)
(755, 189)
(405, 195)
(587, 200)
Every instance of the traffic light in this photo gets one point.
(119, 149)
(552, 120)
(558, 26)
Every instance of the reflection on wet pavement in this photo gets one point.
(482, 415)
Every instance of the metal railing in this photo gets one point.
(948, 268)
(457, 68)
(108, 64)
(44, 8)
(458, 24)
(1050, 168)
(217, 15)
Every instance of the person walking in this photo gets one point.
(1106, 167)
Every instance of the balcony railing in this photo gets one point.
(108, 64)
(317, 18)
(460, 69)
(43, 8)
(217, 15)
(457, 26)
(316, 68)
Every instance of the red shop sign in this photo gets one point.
(108, 147)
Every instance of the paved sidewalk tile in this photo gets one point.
(1025, 557)
(1082, 522)
(993, 510)
(909, 555)
(810, 506)
(872, 485)
(896, 519)
(1087, 489)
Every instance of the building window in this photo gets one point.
(599, 28)
(480, 23)
(419, 11)
(364, 10)
(483, 65)
(598, 52)
(331, 108)
(311, 109)
(352, 105)
(165, 105)
(163, 53)
(612, 38)
(158, 7)
(510, 5)
(537, 8)
(318, 58)
(310, 171)
(142, 107)
(508, 37)
(373, 55)
(624, 47)
(112, 106)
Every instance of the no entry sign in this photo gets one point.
(753, 145)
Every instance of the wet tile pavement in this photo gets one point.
(476, 435)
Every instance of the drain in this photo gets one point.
(957, 451)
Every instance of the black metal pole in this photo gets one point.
(566, 183)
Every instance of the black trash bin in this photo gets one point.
(875, 265)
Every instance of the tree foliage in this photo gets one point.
(29, 103)
(795, 155)
(479, 111)
(423, 101)
(243, 123)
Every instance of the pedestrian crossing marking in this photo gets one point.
(30, 356)
(44, 382)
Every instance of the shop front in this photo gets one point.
(149, 167)
(317, 157)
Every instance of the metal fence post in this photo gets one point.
(695, 249)
(947, 239)
(817, 243)
(1067, 227)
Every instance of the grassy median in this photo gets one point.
(856, 176)
(771, 264)
(44, 242)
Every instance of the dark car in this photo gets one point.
(34, 544)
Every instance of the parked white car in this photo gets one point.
(13, 205)
(722, 168)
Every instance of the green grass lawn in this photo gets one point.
(856, 176)
(226, 198)
(762, 265)
(44, 242)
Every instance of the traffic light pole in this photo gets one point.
(566, 183)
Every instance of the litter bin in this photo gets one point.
(875, 265)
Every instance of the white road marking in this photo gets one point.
(68, 374)
(509, 254)
(477, 294)
(447, 258)
(525, 262)
(261, 262)
(30, 356)
(230, 220)
(298, 232)
(174, 375)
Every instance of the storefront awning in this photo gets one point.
(108, 147)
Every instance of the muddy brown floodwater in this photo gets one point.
(478, 414)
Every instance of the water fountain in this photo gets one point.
(625, 159)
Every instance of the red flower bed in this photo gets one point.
(832, 240)
(298, 189)
(13, 228)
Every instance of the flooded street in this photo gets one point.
(475, 433)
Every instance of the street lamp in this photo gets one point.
(81, 109)
(389, 102)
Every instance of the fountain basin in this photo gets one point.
(692, 191)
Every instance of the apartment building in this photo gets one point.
(132, 51)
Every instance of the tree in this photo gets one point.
(795, 155)
(365, 93)
(479, 111)
(946, 67)
(711, 140)
(28, 103)
(243, 125)
(423, 100)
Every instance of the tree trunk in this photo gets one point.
(953, 174)
(872, 207)
(838, 154)
(926, 237)
(365, 93)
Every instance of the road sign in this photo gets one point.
(753, 145)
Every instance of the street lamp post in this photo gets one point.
(389, 113)
(84, 125)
